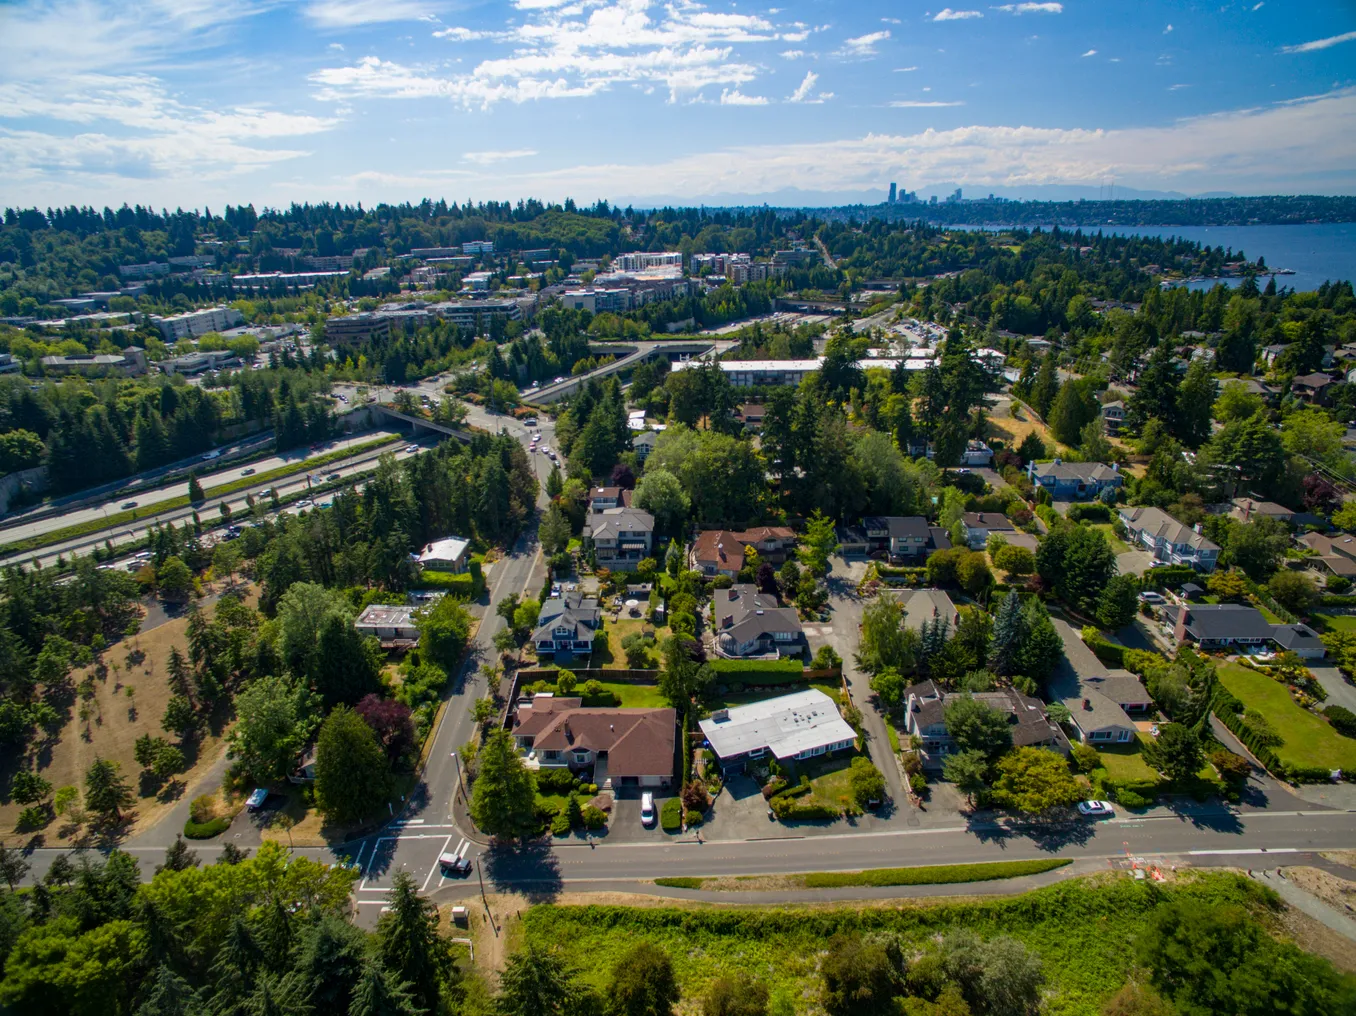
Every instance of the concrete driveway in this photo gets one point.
(1340, 691)
(1134, 562)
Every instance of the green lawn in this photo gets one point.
(612, 655)
(1308, 739)
(1271, 618)
(828, 780)
(1107, 529)
(1335, 622)
(1125, 762)
(632, 696)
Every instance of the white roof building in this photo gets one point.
(445, 555)
(800, 725)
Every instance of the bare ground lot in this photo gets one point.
(107, 725)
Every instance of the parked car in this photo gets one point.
(531, 421)
(647, 809)
(1096, 809)
(256, 799)
(1151, 597)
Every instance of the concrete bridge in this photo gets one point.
(385, 409)
(635, 354)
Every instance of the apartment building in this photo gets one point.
(197, 322)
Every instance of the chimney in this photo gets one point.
(1115, 467)
(1087, 704)
(1183, 619)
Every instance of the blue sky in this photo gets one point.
(193, 102)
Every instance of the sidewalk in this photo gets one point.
(1307, 903)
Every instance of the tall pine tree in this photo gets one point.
(1007, 635)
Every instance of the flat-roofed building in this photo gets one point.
(197, 322)
(392, 625)
(802, 725)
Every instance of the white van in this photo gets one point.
(647, 809)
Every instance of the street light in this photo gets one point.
(459, 782)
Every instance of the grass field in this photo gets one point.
(714, 701)
(1082, 929)
(936, 874)
(1308, 739)
(1118, 545)
(634, 696)
(829, 783)
(115, 720)
(1336, 622)
(1125, 762)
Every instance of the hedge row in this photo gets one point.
(758, 671)
(1338, 601)
(1231, 717)
(206, 830)
(470, 584)
(1109, 653)
(787, 810)
(1169, 576)
(680, 882)
(671, 815)
(940, 874)
(1095, 512)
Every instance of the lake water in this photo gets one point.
(1316, 253)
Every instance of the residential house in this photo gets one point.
(643, 443)
(1097, 698)
(448, 554)
(1270, 353)
(1074, 481)
(750, 623)
(1313, 387)
(805, 724)
(624, 747)
(906, 538)
(1245, 509)
(1229, 626)
(1028, 720)
(1336, 554)
(977, 453)
(619, 537)
(716, 552)
(751, 414)
(1268, 392)
(603, 498)
(773, 543)
(1113, 416)
(922, 605)
(566, 626)
(392, 625)
(978, 526)
(1170, 541)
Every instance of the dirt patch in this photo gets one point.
(108, 722)
(1315, 937)
(1347, 857)
(1338, 893)
(1012, 424)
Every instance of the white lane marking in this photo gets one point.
(429, 877)
(1251, 850)
(359, 859)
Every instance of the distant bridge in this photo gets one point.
(636, 354)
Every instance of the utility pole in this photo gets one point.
(459, 779)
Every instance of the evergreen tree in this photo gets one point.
(352, 776)
(1041, 646)
(1195, 402)
(106, 790)
(379, 994)
(503, 799)
(195, 491)
(178, 857)
(1046, 386)
(1007, 635)
(170, 995)
(1156, 396)
(178, 672)
(1074, 408)
(409, 944)
(537, 981)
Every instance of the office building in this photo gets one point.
(892, 194)
(352, 328)
(476, 281)
(478, 247)
(638, 261)
(146, 271)
(289, 280)
(130, 363)
(197, 322)
(199, 363)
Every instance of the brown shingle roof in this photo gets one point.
(719, 547)
(535, 716)
(638, 742)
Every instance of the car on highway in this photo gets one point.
(305, 502)
(256, 799)
(333, 476)
(647, 809)
(412, 448)
(1096, 809)
(128, 505)
(558, 380)
(247, 472)
(211, 455)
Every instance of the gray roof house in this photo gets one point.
(1229, 626)
(1030, 724)
(927, 604)
(1074, 481)
(1097, 698)
(1113, 416)
(804, 724)
(1170, 541)
(978, 526)
(904, 536)
(620, 537)
(567, 625)
(749, 623)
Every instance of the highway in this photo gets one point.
(209, 509)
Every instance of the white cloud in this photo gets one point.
(922, 103)
(864, 45)
(1258, 6)
(459, 34)
(905, 70)
(1091, 52)
(890, 21)
(1177, 88)
(734, 97)
(355, 13)
(1030, 8)
(1167, 30)
(947, 14)
(791, 54)
(488, 158)
(1317, 44)
(802, 92)
(794, 36)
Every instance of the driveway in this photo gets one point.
(1340, 691)
(1134, 562)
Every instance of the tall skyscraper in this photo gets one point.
(892, 193)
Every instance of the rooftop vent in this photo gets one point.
(720, 714)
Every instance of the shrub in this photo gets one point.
(787, 810)
(555, 781)
(1093, 512)
(206, 830)
(694, 797)
(1132, 798)
(594, 818)
(773, 787)
(1086, 758)
(35, 816)
(680, 882)
(560, 824)
(939, 874)
(1170, 576)
(1343, 720)
(1337, 584)
(918, 783)
(1232, 768)
(1307, 774)
(693, 819)
(671, 815)
(203, 808)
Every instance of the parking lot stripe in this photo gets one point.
(436, 865)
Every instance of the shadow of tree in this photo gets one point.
(530, 867)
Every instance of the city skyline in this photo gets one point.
(191, 103)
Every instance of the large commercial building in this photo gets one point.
(290, 280)
(146, 271)
(638, 261)
(197, 322)
(130, 363)
(353, 328)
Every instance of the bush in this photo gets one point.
(787, 810)
(1132, 798)
(594, 818)
(560, 824)
(35, 816)
(693, 819)
(940, 874)
(555, 781)
(1094, 512)
(1171, 576)
(918, 783)
(680, 882)
(206, 830)
(1307, 774)
(1343, 720)
(1231, 767)
(773, 787)
(1337, 601)
(203, 808)
(463, 586)
(671, 815)
(1086, 758)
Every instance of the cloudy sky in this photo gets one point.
(193, 102)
